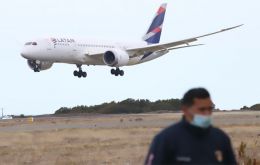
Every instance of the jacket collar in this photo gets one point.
(197, 131)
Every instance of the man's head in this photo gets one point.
(197, 107)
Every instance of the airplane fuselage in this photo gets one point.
(76, 51)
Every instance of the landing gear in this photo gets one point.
(117, 72)
(35, 65)
(80, 73)
(36, 69)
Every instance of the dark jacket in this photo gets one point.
(183, 143)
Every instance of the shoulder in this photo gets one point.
(217, 132)
(171, 131)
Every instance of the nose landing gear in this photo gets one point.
(80, 73)
(35, 65)
(117, 72)
(36, 69)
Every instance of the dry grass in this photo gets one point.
(76, 146)
(125, 142)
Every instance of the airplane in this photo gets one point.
(41, 54)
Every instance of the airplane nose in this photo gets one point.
(24, 53)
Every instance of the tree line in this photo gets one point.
(126, 106)
(255, 107)
(132, 106)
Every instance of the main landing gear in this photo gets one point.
(80, 73)
(117, 72)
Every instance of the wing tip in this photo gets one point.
(238, 26)
(234, 27)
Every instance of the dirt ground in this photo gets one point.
(107, 139)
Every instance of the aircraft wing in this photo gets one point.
(137, 51)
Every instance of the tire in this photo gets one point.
(113, 71)
(122, 73)
(75, 73)
(79, 74)
(84, 74)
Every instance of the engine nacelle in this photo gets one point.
(116, 58)
(41, 65)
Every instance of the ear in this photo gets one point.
(184, 109)
(186, 112)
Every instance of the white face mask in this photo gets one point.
(201, 121)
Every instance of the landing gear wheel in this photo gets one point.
(122, 73)
(84, 74)
(80, 73)
(117, 72)
(113, 71)
(75, 73)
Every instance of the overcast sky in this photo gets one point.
(228, 65)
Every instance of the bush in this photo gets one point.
(243, 156)
(255, 107)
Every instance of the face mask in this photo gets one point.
(201, 121)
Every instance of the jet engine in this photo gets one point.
(39, 65)
(116, 58)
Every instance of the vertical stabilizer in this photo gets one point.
(153, 34)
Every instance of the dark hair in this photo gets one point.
(199, 93)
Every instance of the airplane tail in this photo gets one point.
(153, 34)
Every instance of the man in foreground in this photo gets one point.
(193, 140)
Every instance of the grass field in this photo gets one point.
(108, 139)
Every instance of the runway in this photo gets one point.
(119, 121)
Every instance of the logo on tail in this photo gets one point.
(153, 34)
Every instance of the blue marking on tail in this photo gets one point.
(157, 22)
(154, 32)
(154, 39)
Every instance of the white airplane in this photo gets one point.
(41, 54)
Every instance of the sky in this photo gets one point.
(227, 65)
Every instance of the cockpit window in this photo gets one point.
(34, 43)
